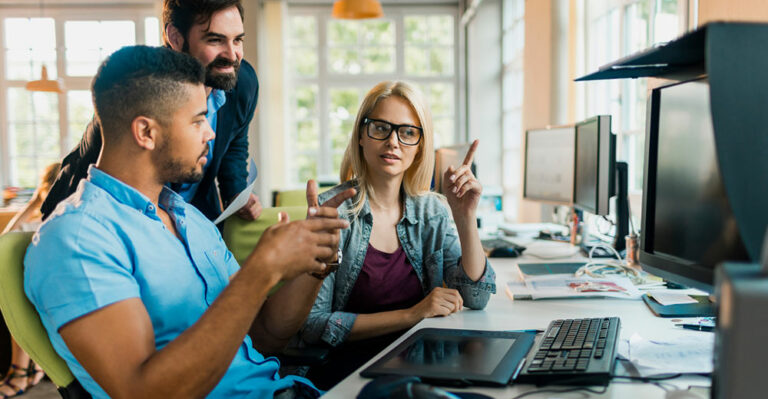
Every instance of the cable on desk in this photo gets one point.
(601, 268)
(565, 390)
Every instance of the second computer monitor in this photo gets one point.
(594, 165)
(548, 173)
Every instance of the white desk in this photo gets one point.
(504, 314)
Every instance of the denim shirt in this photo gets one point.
(431, 244)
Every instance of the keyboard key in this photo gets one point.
(598, 353)
(553, 332)
(600, 344)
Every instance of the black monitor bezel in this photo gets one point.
(668, 267)
(526, 196)
(606, 162)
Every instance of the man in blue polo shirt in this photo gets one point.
(135, 286)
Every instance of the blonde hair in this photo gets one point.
(419, 175)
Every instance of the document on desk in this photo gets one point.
(691, 353)
(565, 286)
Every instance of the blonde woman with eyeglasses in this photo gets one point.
(402, 259)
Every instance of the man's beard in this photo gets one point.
(174, 170)
(221, 81)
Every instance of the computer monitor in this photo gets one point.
(445, 157)
(688, 227)
(594, 165)
(549, 157)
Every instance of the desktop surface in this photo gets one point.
(503, 313)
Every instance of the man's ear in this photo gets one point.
(175, 37)
(145, 132)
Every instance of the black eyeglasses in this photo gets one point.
(380, 130)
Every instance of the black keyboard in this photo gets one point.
(573, 352)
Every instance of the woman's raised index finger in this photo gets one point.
(471, 153)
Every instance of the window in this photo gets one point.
(333, 63)
(615, 29)
(38, 128)
(513, 41)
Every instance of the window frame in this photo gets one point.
(512, 149)
(326, 81)
(619, 93)
(137, 13)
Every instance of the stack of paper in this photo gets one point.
(691, 353)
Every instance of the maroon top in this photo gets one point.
(386, 282)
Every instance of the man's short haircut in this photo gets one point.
(142, 81)
(184, 13)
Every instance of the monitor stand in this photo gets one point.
(704, 308)
(622, 218)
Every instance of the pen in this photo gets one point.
(696, 327)
(534, 331)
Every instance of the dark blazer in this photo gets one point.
(228, 164)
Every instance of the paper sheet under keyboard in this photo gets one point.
(691, 353)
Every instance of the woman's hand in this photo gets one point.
(463, 191)
(440, 302)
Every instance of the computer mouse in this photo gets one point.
(682, 394)
(504, 252)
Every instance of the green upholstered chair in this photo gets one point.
(295, 197)
(241, 235)
(291, 198)
(22, 319)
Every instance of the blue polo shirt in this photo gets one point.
(216, 100)
(106, 243)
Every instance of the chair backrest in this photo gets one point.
(291, 198)
(20, 315)
(241, 235)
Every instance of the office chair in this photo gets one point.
(291, 198)
(23, 321)
(241, 236)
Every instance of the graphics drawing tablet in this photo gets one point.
(456, 357)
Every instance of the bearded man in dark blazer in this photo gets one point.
(212, 32)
